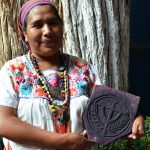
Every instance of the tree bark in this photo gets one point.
(8, 35)
(97, 31)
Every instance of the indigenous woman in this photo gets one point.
(44, 92)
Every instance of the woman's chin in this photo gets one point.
(49, 45)
(50, 52)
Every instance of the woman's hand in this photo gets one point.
(137, 128)
(27, 134)
(75, 141)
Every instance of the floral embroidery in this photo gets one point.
(86, 73)
(17, 65)
(15, 85)
(73, 92)
(15, 74)
(82, 86)
(28, 73)
(74, 74)
(12, 67)
(25, 89)
(81, 79)
(39, 92)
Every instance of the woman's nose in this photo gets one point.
(47, 29)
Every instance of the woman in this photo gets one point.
(44, 93)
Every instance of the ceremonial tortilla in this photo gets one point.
(110, 114)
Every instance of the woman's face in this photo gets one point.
(44, 31)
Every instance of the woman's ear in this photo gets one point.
(25, 35)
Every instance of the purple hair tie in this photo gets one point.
(27, 7)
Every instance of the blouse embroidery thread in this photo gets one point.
(79, 74)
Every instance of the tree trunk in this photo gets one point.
(8, 35)
(96, 30)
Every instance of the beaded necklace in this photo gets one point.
(60, 113)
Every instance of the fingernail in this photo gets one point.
(134, 137)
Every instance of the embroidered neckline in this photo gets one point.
(60, 112)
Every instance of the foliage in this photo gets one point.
(1, 144)
(142, 143)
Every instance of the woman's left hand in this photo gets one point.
(137, 128)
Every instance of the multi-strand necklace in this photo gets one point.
(60, 113)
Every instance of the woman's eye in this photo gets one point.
(54, 22)
(38, 25)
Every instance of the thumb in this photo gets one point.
(84, 133)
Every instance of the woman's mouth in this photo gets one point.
(48, 43)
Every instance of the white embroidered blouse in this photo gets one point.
(19, 89)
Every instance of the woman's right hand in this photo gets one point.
(27, 134)
(74, 141)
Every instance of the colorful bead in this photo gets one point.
(43, 87)
(53, 110)
(48, 99)
(52, 106)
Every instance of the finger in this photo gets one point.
(132, 137)
(134, 133)
(84, 133)
(141, 130)
(135, 129)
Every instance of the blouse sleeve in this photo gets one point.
(95, 77)
(8, 97)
